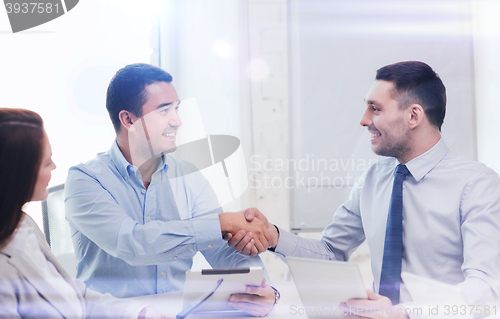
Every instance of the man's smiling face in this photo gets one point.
(160, 117)
(390, 135)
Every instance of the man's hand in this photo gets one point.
(254, 234)
(258, 301)
(241, 241)
(376, 307)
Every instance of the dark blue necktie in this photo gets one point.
(390, 277)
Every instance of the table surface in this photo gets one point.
(289, 306)
(171, 303)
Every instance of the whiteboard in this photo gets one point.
(335, 48)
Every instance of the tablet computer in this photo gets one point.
(200, 283)
(324, 284)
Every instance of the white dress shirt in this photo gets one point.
(451, 223)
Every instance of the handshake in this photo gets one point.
(248, 231)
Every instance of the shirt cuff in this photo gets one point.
(207, 231)
(286, 243)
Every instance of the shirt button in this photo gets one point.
(149, 219)
(143, 191)
(210, 246)
(126, 177)
(175, 257)
(403, 187)
(162, 273)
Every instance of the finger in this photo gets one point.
(244, 298)
(236, 238)
(263, 283)
(248, 248)
(345, 312)
(380, 303)
(260, 216)
(372, 295)
(264, 242)
(358, 303)
(366, 309)
(249, 214)
(267, 234)
(242, 243)
(260, 247)
(261, 291)
(227, 236)
(254, 252)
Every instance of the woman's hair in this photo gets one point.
(21, 151)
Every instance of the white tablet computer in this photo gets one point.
(324, 284)
(200, 283)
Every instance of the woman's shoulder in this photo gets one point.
(9, 271)
(28, 221)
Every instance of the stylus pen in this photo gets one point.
(195, 304)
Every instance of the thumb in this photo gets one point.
(249, 215)
(372, 295)
(263, 284)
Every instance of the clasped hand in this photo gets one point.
(251, 237)
(244, 240)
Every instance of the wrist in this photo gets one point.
(224, 223)
(275, 233)
(277, 295)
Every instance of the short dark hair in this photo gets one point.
(416, 82)
(126, 91)
(21, 148)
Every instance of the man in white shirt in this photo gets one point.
(450, 212)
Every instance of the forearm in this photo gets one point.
(93, 212)
(161, 241)
(293, 245)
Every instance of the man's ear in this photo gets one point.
(126, 118)
(416, 115)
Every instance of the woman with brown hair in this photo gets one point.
(32, 282)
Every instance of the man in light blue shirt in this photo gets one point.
(138, 215)
(451, 205)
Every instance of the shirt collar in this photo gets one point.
(122, 165)
(423, 164)
(120, 162)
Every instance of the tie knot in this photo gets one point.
(402, 169)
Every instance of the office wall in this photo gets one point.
(61, 70)
(336, 47)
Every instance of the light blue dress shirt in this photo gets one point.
(127, 241)
(451, 223)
